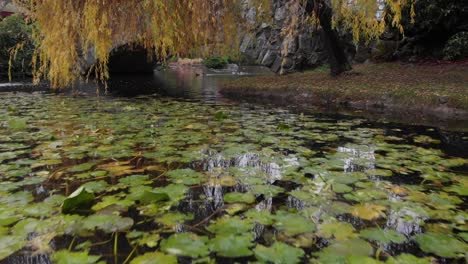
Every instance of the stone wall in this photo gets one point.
(263, 45)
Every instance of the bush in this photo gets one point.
(216, 62)
(16, 34)
(457, 47)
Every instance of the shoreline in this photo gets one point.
(433, 93)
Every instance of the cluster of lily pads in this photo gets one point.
(153, 180)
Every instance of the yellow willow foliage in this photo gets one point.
(366, 19)
(68, 31)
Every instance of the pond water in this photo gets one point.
(154, 179)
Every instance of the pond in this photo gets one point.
(154, 179)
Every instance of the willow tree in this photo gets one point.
(68, 30)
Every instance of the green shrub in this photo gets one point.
(15, 33)
(457, 47)
(216, 62)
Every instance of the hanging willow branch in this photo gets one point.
(68, 30)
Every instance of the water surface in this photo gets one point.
(117, 179)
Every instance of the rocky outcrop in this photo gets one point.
(263, 44)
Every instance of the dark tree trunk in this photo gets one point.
(336, 55)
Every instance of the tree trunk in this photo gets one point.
(336, 55)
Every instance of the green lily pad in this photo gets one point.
(341, 188)
(338, 230)
(185, 176)
(408, 259)
(292, 224)
(381, 173)
(186, 244)
(10, 244)
(80, 199)
(443, 245)
(230, 225)
(154, 257)
(232, 246)
(261, 217)
(278, 253)
(382, 236)
(134, 180)
(174, 219)
(95, 186)
(266, 190)
(153, 196)
(108, 223)
(235, 197)
(68, 257)
(82, 167)
(340, 250)
(18, 124)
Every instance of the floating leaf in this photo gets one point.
(10, 244)
(278, 253)
(292, 224)
(107, 223)
(341, 188)
(153, 196)
(154, 257)
(408, 259)
(230, 225)
(382, 236)
(338, 230)
(340, 250)
(79, 200)
(186, 244)
(68, 257)
(261, 217)
(232, 246)
(174, 219)
(185, 176)
(266, 190)
(82, 167)
(18, 124)
(368, 211)
(443, 245)
(235, 197)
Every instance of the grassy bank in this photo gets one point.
(440, 89)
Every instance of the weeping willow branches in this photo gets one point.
(68, 30)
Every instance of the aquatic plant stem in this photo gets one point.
(116, 238)
(70, 247)
(130, 255)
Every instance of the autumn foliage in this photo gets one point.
(70, 31)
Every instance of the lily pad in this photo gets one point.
(292, 224)
(107, 223)
(185, 176)
(230, 225)
(68, 257)
(235, 197)
(278, 253)
(337, 230)
(443, 245)
(368, 211)
(154, 257)
(82, 167)
(80, 199)
(382, 236)
(10, 244)
(408, 259)
(232, 246)
(340, 250)
(186, 244)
